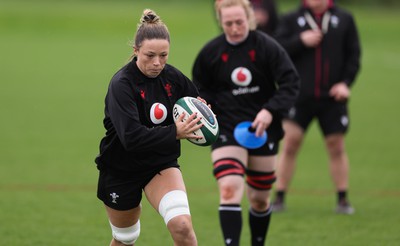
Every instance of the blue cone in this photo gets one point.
(245, 135)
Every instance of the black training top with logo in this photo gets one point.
(240, 80)
(140, 130)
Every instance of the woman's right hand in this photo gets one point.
(311, 38)
(185, 128)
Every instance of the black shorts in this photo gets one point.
(122, 193)
(271, 147)
(332, 115)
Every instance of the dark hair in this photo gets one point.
(150, 27)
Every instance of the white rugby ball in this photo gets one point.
(210, 130)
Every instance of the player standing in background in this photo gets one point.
(323, 42)
(246, 76)
(266, 15)
(142, 142)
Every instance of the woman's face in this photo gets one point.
(235, 23)
(318, 5)
(152, 56)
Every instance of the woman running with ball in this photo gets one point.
(141, 146)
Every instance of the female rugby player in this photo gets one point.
(246, 76)
(142, 143)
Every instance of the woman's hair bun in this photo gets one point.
(149, 16)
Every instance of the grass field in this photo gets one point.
(56, 59)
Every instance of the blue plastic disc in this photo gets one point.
(246, 136)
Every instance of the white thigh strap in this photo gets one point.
(173, 204)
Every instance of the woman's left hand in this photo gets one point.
(262, 121)
(204, 101)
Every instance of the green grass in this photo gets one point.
(56, 61)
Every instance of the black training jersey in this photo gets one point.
(335, 59)
(140, 130)
(240, 80)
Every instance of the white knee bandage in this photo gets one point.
(173, 203)
(127, 235)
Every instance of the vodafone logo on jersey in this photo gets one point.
(158, 113)
(241, 76)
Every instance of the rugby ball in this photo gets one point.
(210, 130)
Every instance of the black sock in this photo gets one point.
(280, 195)
(230, 217)
(259, 223)
(342, 196)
